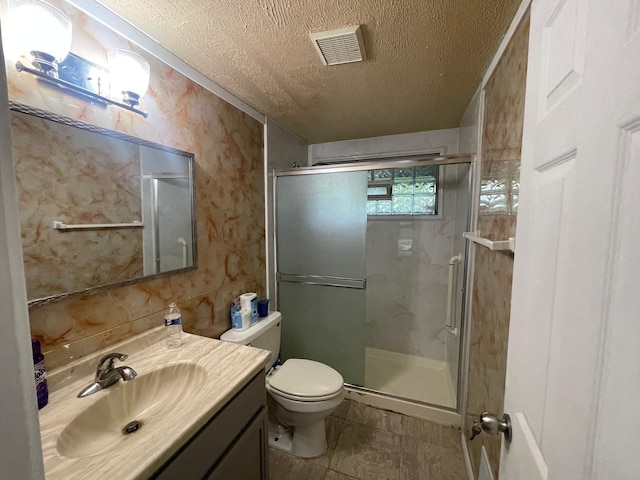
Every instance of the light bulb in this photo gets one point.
(39, 31)
(129, 74)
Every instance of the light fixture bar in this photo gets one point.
(63, 84)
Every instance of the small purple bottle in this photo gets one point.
(42, 390)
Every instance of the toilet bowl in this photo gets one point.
(301, 393)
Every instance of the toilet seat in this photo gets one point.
(288, 396)
(305, 381)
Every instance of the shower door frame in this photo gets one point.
(375, 397)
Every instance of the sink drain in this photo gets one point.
(132, 427)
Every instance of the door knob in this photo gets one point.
(493, 425)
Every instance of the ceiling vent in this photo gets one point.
(344, 45)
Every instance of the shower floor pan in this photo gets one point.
(409, 376)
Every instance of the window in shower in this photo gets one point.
(403, 191)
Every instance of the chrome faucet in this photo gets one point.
(107, 375)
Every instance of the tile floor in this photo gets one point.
(372, 444)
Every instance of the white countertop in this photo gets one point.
(228, 368)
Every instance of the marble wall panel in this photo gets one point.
(66, 174)
(491, 303)
(407, 275)
(407, 289)
(228, 148)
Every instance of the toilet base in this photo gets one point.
(304, 441)
(280, 440)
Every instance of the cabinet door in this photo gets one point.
(209, 446)
(247, 458)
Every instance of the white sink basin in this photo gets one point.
(177, 391)
(148, 399)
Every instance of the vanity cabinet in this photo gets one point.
(232, 445)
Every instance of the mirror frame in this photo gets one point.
(46, 115)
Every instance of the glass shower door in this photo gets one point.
(321, 224)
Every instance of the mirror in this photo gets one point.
(98, 208)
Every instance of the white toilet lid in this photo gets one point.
(306, 378)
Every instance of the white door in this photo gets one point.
(573, 375)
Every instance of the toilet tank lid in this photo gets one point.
(245, 337)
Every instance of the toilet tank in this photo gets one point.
(265, 334)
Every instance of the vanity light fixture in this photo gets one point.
(41, 34)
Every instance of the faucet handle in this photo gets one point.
(106, 363)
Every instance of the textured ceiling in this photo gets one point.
(425, 58)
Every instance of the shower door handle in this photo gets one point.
(453, 261)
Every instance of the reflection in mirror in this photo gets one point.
(166, 194)
(123, 207)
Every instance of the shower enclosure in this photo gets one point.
(371, 272)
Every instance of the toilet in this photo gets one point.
(302, 393)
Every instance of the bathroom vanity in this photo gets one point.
(200, 413)
(232, 445)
